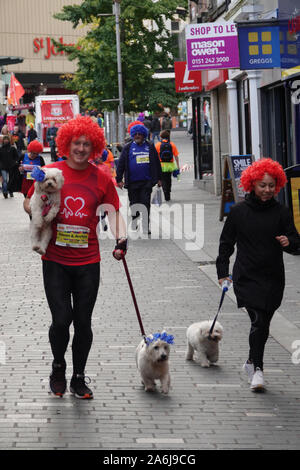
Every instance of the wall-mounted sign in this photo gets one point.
(259, 46)
(46, 45)
(187, 81)
(212, 46)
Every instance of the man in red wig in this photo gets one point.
(71, 265)
(262, 229)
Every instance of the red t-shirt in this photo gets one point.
(74, 239)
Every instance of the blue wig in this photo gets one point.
(138, 128)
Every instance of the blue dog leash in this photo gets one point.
(225, 286)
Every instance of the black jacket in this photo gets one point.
(155, 125)
(123, 165)
(258, 272)
(8, 157)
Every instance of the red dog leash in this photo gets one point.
(134, 298)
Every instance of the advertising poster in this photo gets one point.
(59, 111)
(295, 190)
(212, 46)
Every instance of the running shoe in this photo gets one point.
(78, 387)
(257, 383)
(57, 379)
(248, 367)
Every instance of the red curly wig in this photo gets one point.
(35, 146)
(134, 123)
(257, 171)
(77, 127)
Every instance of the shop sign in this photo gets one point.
(259, 47)
(46, 45)
(187, 81)
(58, 111)
(212, 46)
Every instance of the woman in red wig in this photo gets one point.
(261, 228)
(31, 159)
(71, 265)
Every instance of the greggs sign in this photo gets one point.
(46, 45)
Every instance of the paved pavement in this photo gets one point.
(207, 409)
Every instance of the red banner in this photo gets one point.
(58, 111)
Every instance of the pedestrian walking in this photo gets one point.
(51, 139)
(168, 155)
(17, 139)
(261, 228)
(8, 160)
(30, 117)
(31, 133)
(71, 265)
(31, 159)
(167, 124)
(140, 166)
(155, 129)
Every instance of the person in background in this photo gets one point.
(4, 133)
(262, 229)
(31, 159)
(139, 165)
(17, 138)
(155, 129)
(168, 155)
(8, 159)
(31, 133)
(50, 137)
(100, 119)
(167, 124)
(30, 117)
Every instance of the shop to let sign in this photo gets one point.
(212, 46)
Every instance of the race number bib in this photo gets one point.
(73, 236)
(142, 158)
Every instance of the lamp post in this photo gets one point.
(119, 62)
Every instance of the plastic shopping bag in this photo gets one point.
(157, 197)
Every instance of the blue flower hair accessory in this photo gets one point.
(139, 129)
(162, 336)
(38, 174)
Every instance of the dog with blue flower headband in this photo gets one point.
(152, 360)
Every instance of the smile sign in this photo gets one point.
(212, 46)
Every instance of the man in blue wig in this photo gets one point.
(140, 166)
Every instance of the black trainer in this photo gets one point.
(78, 387)
(58, 382)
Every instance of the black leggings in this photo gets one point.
(259, 333)
(71, 293)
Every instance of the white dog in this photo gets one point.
(206, 347)
(45, 204)
(152, 360)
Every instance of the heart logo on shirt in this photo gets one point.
(73, 206)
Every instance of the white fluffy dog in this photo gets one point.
(45, 204)
(205, 347)
(152, 360)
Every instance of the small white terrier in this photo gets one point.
(45, 204)
(152, 360)
(205, 347)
